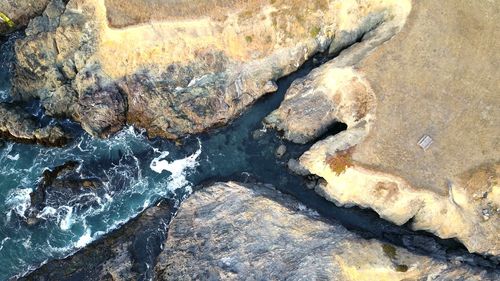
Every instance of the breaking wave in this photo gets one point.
(135, 173)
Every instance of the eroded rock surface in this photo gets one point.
(17, 13)
(62, 186)
(231, 232)
(18, 125)
(174, 67)
(427, 83)
(326, 96)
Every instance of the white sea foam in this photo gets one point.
(18, 200)
(13, 158)
(66, 221)
(178, 168)
(3, 95)
(27, 243)
(3, 241)
(85, 239)
(46, 213)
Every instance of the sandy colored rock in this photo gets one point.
(434, 79)
(176, 68)
(231, 232)
(326, 96)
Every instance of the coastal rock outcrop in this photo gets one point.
(177, 68)
(58, 187)
(18, 125)
(231, 232)
(421, 143)
(328, 95)
(15, 14)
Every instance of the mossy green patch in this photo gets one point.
(401, 268)
(6, 20)
(389, 251)
(315, 31)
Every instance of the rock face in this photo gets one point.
(231, 232)
(177, 68)
(423, 86)
(18, 125)
(118, 256)
(16, 14)
(59, 186)
(326, 96)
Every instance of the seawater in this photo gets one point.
(136, 171)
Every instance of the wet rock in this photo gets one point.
(296, 168)
(125, 254)
(231, 232)
(378, 162)
(280, 151)
(59, 186)
(17, 14)
(18, 125)
(108, 63)
(258, 134)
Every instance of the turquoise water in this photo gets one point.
(136, 172)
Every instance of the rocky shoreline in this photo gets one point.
(91, 75)
(377, 162)
(118, 255)
(270, 235)
(419, 146)
(18, 125)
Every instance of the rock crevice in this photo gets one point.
(179, 77)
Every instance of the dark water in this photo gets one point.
(138, 171)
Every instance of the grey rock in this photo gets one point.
(258, 134)
(280, 151)
(296, 168)
(233, 232)
(118, 255)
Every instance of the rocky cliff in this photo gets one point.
(172, 67)
(421, 143)
(231, 232)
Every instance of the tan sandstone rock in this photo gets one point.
(435, 79)
(175, 67)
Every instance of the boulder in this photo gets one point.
(233, 232)
(61, 185)
(176, 68)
